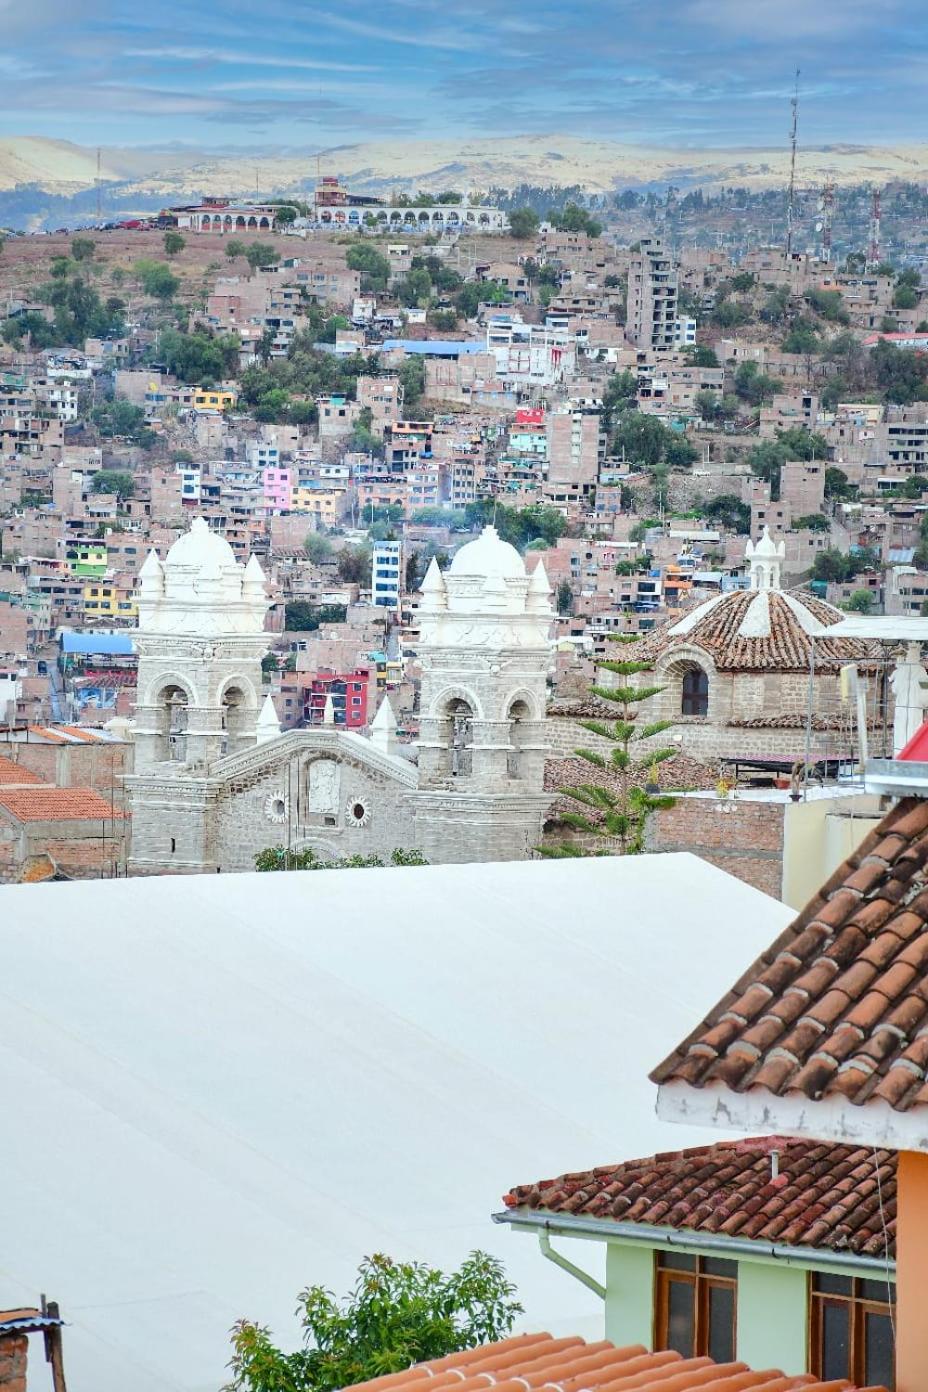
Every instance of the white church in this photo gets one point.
(215, 781)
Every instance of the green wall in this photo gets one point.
(772, 1313)
(772, 1316)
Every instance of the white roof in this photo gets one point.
(224, 1088)
(887, 628)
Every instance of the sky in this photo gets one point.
(298, 74)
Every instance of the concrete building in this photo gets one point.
(387, 574)
(652, 296)
(576, 445)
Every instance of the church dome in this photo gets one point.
(201, 548)
(489, 556)
(760, 631)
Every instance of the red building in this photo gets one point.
(349, 697)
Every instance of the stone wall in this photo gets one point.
(747, 842)
(81, 850)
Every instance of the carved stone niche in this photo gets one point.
(323, 788)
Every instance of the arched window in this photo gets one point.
(694, 692)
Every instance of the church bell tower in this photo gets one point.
(485, 651)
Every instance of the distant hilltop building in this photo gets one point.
(223, 215)
(215, 781)
(336, 207)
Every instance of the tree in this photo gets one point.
(354, 565)
(619, 394)
(318, 548)
(623, 813)
(173, 243)
(829, 304)
(157, 279)
(565, 597)
(412, 377)
(302, 617)
(743, 282)
(281, 858)
(701, 355)
(905, 297)
(119, 419)
(642, 438)
(83, 248)
(202, 356)
(900, 372)
(679, 452)
(373, 265)
(113, 481)
(860, 602)
(812, 522)
(833, 565)
(573, 218)
(802, 337)
(523, 223)
(235, 247)
(398, 1313)
(730, 512)
(259, 254)
(754, 386)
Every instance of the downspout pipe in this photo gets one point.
(585, 1279)
(568, 1225)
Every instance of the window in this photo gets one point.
(695, 692)
(851, 1329)
(695, 1306)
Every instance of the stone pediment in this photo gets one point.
(340, 745)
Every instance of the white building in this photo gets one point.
(387, 574)
(530, 355)
(225, 1089)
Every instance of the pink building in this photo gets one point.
(278, 489)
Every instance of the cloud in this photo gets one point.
(247, 59)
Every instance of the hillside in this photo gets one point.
(58, 167)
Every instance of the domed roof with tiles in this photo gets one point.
(201, 548)
(488, 556)
(760, 631)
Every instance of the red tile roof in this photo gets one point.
(532, 1361)
(825, 1197)
(48, 804)
(14, 775)
(838, 1004)
(787, 647)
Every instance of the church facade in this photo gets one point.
(215, 782)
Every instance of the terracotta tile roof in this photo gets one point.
(15, 775)
(825, 1197)
(49, 804)
(838, 1004)
(533, 1361)
(786, 649)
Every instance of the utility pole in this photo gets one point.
(794, 103)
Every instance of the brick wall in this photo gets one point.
(13, 1351)
(747, 842)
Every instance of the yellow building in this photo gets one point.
(100, 600)
(321, 503)
(217, 400)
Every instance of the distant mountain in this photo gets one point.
(41, 180)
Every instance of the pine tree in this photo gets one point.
(622, 816)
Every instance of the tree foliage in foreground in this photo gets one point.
(280, 858)
(621, 815)
(398, 1313)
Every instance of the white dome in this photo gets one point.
(488, 556)
(201, 548)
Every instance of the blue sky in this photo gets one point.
(283, 73)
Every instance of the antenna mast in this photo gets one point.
(99, 189)
(828, 209)
(873, 246)
(794, 103)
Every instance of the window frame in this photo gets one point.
(859, 1307)
(702, 1283)
(689, 700)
